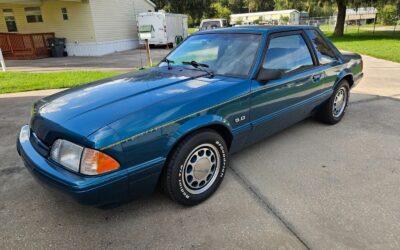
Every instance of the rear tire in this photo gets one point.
(333, 110)
(196, 168)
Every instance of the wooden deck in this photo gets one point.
(25, 46)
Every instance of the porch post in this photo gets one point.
(3, 63)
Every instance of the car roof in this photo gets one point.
(257, 29)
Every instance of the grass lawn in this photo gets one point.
(382, 44)
(20, 81)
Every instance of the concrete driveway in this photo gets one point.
(119, 61)
(310, 187)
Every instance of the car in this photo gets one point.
(176, 125)
(207, 24)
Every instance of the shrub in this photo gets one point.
(388, 14)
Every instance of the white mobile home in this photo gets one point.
(267, 17)
(362, 15)
(91, 27)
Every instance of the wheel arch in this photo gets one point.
(217, 124)
(348, 76)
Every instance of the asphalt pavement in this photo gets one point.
(311, 186)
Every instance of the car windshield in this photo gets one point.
(225, 54)
(211, 25)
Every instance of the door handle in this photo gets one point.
(316, 78)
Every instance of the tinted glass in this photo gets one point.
(64, 13)
(226, 54)
(287, 53)
(34, 19)
(33, 15)
(324, 52)
(11, 25)
(10, 20)
(211, 24)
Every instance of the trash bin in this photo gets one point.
(178, 40)
(57, 46)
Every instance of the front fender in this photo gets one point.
(195, 124)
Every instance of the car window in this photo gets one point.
(211, 25)
(324, 52)
(287, 53)
(226, 54)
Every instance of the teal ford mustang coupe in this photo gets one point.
(176, 125)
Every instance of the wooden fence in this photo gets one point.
(25, 46)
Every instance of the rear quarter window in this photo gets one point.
(324, 51)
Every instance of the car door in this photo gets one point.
(282, 102)
(328, 61)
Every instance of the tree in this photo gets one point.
(260, 5)
(237, 6)
(341, 17)
(387, 14)
(220, 11)
(342, 6)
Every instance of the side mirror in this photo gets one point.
(266, 75)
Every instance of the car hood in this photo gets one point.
(78, 112)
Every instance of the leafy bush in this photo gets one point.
(220, 11)
(258, 21)
(284, 19)
(388, 14)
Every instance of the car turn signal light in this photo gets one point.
(95, 162)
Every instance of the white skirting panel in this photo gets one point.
(100, 48)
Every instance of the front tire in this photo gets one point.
(196, 168)
(333, 110)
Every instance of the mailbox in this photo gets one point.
(145, 32)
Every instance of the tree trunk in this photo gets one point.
(341, 18)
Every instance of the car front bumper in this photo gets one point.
(122, 185)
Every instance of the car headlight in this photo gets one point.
(79, 159)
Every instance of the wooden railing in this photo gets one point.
(25, 46)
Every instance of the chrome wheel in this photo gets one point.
(201, 168)
(340, 102)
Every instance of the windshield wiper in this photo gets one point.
(169, 62)
(200, 66)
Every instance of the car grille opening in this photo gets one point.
(39, 146)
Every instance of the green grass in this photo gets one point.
(192, 30)
(11, 82)
(382, 44)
